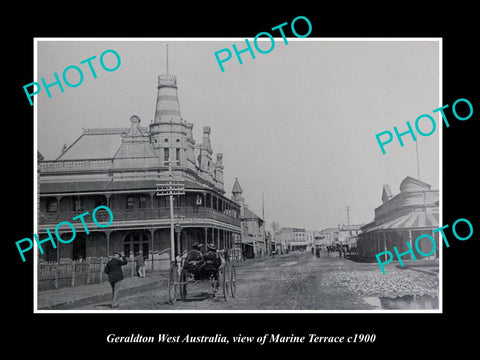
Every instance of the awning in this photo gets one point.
(411, 221)
(299, 243)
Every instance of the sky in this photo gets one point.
(297, 124)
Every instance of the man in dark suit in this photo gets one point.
(194, 260)
(115, 275)
(212, 262)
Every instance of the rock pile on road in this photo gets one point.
(393, 284)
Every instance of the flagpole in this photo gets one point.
(167, 59)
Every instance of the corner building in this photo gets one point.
(401, 218)
(120, 168)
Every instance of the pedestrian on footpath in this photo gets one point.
(140, 261)
(115, 275)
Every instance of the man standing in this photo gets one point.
(115, 274)
(140, 264)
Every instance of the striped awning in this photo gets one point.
(412, 221)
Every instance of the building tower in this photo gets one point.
(237, 196)
(171, 136)
(205, 157)
(168, 132)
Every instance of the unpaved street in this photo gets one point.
(299, 281)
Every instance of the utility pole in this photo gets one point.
(264, 229)
(348, 223)
(171, 187)
(348, 218)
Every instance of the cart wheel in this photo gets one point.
(233, 280)
(183, 285)
(172, 285)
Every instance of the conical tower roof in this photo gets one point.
(237, 188)
(168, 107)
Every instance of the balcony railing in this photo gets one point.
(53, 165)
(185, 214)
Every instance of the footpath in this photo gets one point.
(58, 299)
(68, 297)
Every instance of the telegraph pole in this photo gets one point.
(348, 223)
(264, 230)
(171, 187)
(348, 219)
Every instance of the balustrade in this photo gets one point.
(182, 213)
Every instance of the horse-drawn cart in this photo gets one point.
(224, 279)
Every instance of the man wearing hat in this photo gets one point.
(140, 261)
(194, 260)
(115, 274)
(212, 261)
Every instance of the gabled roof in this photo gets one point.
(249, 214)
(135, 144)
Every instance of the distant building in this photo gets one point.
(402, 218)
(348, 234)
(326, 237)
(254, 242)
(293, 239)
(341, 235)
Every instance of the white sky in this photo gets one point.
(297, 124)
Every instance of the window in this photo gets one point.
(143, 202)
(130, 202)
(178, 156)
(166, 154)
(77, 204)
(52, 205)
(134, 243)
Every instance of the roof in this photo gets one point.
(92, 146)
(350, 227)
(72, 187)
(249, 214)
(108, 185)
(410, 184)
(329, 230)
(411, 221)
(236, 187)
(386, 193)
(97, 144)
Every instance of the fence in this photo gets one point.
(70, 273)
(65, 273)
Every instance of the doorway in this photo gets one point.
(135, 242)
